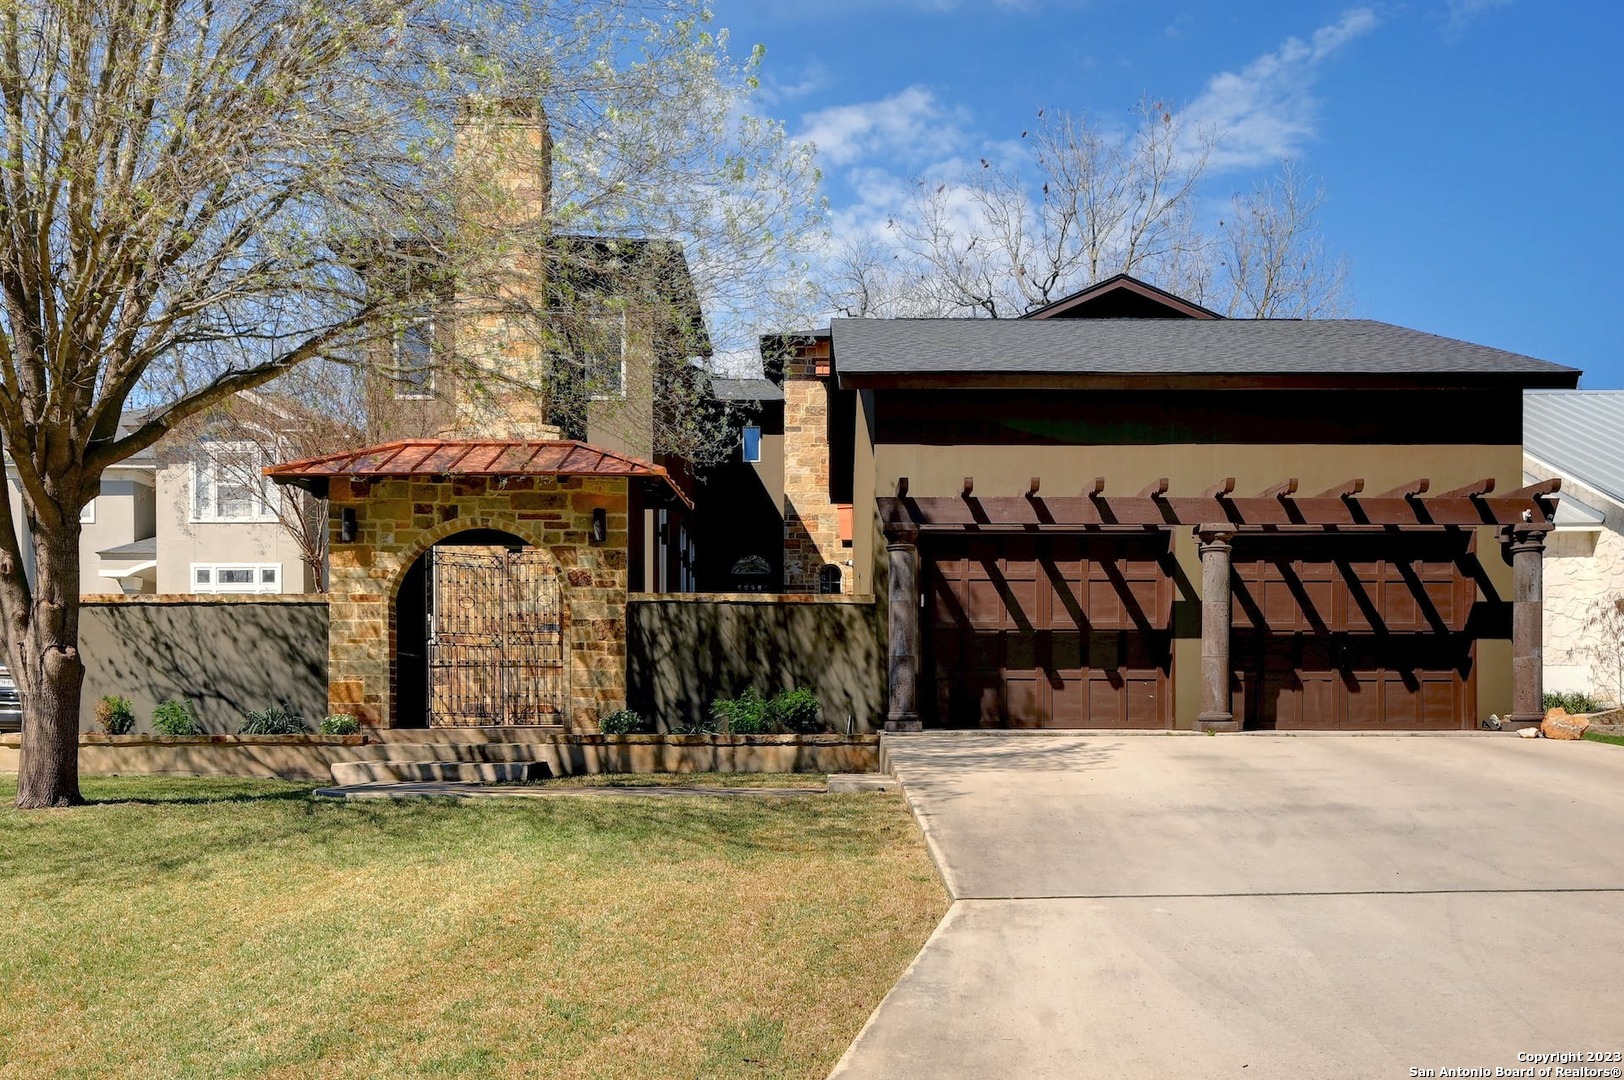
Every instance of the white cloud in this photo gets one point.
(1265, 111)
(1462, 13)
(909, 125)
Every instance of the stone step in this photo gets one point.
(539, 733)
(347, 773)
(424, 751)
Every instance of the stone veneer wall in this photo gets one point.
(811, 521)
(1581, 570)
(398, 520)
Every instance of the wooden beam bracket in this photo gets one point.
(1407, 490)
(1156, 490)
(1221, 490)
(1283, 490)
(1347, 489)
(1475, 490)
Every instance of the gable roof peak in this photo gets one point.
(1122, 296)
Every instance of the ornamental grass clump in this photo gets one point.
(276, 720)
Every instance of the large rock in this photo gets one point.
(1559, 725)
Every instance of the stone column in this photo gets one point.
(902, 551)
(1527, 548)
(1215, 715)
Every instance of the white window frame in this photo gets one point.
(744, 443)
(257, 584)
(427, 391)
(87, 513)
(586, 366)
(206, 480)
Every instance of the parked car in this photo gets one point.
(11, 703)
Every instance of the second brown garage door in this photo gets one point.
(1049, 632)
(1354, 632)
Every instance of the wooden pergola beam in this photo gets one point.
(1408, 490)
(1283, 489)
(1346, 489)
(1156, 490)
(1473, 490)
(1221, 489)
(1139, 512)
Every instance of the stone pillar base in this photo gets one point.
(904, 725)
(1217, 722)
(1513, 721)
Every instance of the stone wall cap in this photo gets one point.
(749, 598)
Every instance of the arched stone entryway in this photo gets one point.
(389, 504)
(478, 624)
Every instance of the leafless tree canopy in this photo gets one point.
(1000, 242)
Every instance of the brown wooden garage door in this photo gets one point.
(1049, 632)
(1354, 633)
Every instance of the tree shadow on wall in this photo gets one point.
(222, 658)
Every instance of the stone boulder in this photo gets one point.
(1559, 725)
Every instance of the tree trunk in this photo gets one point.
(51, 675)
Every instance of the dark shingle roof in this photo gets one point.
(1580, 434)
(148, 546)
(747, 390)
(1167, 347)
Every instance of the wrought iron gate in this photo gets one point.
(496, 643)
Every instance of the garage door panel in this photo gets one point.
(1068, 632)
(1362, 633)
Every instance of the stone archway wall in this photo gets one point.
(398, 520)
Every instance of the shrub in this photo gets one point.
(174, 717)
(744, 715)
(1573, 701)
(624, 722)
(341, 724)
(115, 715)
(276, 720)
(797, 711)
(706, 726)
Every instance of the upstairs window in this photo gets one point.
(752, 443)
(602, 356)
(414, 359)
(228, 483)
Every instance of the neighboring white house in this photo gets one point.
(197, 519)
(1578, 435)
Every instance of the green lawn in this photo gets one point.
(1598, 736)
(220, 928)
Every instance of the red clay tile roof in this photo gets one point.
(436, 458)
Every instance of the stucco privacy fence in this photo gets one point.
(227, 655)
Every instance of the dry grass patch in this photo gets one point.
(212, 928)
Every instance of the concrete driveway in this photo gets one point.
(1259, 906)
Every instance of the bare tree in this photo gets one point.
(199, 195)
(1272, 254)
(1001, 242)
(1603, 645)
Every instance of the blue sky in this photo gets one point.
(1470, 150)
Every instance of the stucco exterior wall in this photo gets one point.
(936, 470)
(183, 542)
(223, 655)
(1584, 569)
(398, 520)
(683, 652)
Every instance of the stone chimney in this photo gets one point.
(508, 148)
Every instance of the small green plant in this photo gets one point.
(797, 711)
(1573, 701)
(625, 722)
(746, 714)
(174, 717)
(276, 720)
(341, 724)
(115, 714)
(707, 725)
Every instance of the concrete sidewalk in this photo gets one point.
(1245, 906)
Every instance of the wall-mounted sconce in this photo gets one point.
(600, 525)
(346, 525)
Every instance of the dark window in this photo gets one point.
(414, 359)
(829, 579)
